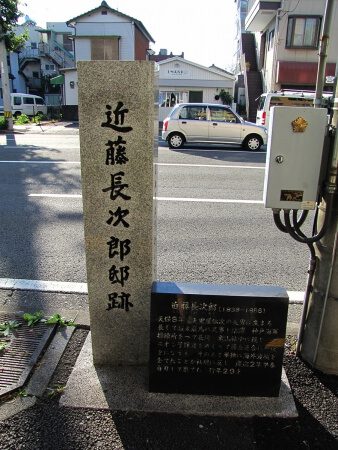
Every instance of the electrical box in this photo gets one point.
(294, 155)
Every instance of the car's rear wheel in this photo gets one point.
(176, 140)
(17, 114)
(253, 142)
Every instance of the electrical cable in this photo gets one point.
(301, 237)
(298, 235)
(302, 218)
(295, 232)
(279, 224)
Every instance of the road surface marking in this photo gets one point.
(56, 195)
(207, 200)
(163, 199)
(211, 165)
(220, 166)
(41, 162)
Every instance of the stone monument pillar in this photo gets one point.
(118, 121)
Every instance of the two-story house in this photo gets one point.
(103, 34)
(284, 37)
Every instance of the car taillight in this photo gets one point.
(263, 118)
(165, 124)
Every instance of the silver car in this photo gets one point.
(210, 123)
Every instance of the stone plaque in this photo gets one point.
(217, 339)
(118, 121)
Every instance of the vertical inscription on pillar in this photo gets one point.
(118, 249)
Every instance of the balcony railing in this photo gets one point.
(252, 2)
(260, 14)
(53, 50)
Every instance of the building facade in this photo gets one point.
(102, 34)
(287, 36)
(45, 52)
(183, 81)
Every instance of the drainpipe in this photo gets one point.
(274, 62)
(323, 53)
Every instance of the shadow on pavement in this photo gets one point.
(221, 153)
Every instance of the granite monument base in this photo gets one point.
(126, 389)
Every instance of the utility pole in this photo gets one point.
(5, 84)
(319, 346)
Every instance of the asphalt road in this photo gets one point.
(211, 224)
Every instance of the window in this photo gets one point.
(105, 48)
(170, 98)
(39, 101)
(34, 45)
(17, 101)
(193, 113)
(50, 67)
(28, 101)
(67, 42)
(222, 115)
(303, 32)
(35, 75)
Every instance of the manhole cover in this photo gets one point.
(24, 347)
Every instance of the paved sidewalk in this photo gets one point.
(47, 127)
(40, 422)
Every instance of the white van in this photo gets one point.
(284, 98)
(26, 104)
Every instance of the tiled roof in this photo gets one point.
(104, 5)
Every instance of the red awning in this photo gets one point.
(292, 72)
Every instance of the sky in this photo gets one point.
(204, 31)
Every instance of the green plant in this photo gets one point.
(21, 120)
(32, 319)
(38, 118)
(226, 98)
(3, 346)
(57, 319)
(7, 327)
(58, 389)
(22, 393)
(3, 123)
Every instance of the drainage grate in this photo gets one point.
(24, 347)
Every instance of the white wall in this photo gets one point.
(178, 75)
(172, 70)
(33, 34)
(104, 25)
(70, 94)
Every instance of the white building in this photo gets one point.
(103, 34)
(185, 81)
